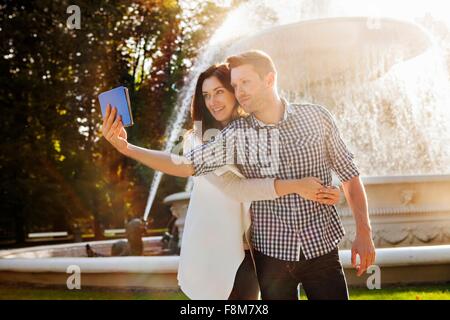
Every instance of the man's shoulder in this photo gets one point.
(309, 109)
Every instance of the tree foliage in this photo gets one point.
(56, 168)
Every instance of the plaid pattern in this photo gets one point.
(305, 143)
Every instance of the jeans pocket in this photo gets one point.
(329, 260)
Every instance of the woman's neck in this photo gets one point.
(223, 124)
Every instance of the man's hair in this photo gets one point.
(261, 62)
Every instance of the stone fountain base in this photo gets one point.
(410, 219)
(404, 265)
(404, 211)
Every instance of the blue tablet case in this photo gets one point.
(117, 97)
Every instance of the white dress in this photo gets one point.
(218, 217)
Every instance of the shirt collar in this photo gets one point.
(286, 112)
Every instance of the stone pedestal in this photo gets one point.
(178, 206)
(404, 211)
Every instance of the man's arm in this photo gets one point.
(363, 244)
(341, 160)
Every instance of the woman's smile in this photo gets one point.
(217, 109)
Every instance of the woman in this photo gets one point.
(216, 258)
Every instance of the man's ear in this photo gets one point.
(270, 79)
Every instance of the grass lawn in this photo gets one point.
(430, 292)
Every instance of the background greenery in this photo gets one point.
(56, 169)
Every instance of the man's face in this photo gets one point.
(249, 88)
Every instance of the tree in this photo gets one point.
(55, 166)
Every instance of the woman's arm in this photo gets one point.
(115, 133)
(166, 162)
(310, 188)
(241, 189)
(245, 190)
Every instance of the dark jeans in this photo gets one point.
(322, 278)
(246, 283)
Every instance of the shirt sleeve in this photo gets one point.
(188, 142)
(214, 154)
(340, 157)
(242, 189)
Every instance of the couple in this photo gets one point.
(294, 229)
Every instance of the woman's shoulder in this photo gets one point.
(190, 140)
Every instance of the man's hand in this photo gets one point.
(113, 130)
(363, 247)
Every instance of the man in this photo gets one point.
(295, 239)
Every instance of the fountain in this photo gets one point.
(406, 169)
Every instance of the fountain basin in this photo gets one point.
(47, 265)
(152, 246)
(410, 219)
(405, 265)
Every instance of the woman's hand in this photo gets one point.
(311, 188)
(329, 195)
(113, 130)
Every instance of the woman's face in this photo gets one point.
(219, 101)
